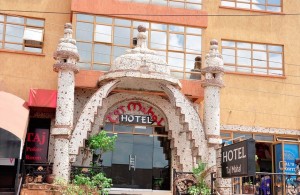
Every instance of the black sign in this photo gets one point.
(238, 159)
(136, 119)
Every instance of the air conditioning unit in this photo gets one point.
(33, 43)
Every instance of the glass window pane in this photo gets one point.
(259, 71)
(100, 67)
(244, 69)
(103, 20)
(122, 22)
(84, 17)
(1, 31)
(229, 68)
(258, 7)
(158, 26)
(176, 4)
(159, 2)
(103, 34)
(143, 129)
(258, 55)
(259, 46)
(176, 42)
(33, 34)
(108, 127)
(228, 43)
(259, 63)
(263, 137)
(190, 62)
(275, 60)
(123, 128)
(122, 36)
(273, 9)
(275, 48)
(84, 66)
(243, 136)
(228, 56)
(1, 18)
(275, 72)
(158, 40)
(274, 2)
(13, 46)
(193, 43)
(194, 75)
(33, 49)
(162, 55)
(85, 51)
(34, 22)
(243, 45)
(173, 28)
(13, 19)
(193, 6)
(102, 53)
(14, 33)
(243, 5)
(137, 23)
(194, 30)
(176, 60)
(118, 51)
(84, 31)
(244, 57)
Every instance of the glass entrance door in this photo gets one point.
(138, 159)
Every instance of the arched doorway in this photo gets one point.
(141, 158)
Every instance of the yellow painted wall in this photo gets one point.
(255, 100)
(19, 72)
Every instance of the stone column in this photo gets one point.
(212, 85)
(66, 57)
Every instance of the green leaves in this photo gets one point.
(102, 141)
(201, 188)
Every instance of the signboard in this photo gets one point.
(37, 146)
(291, 153)
(238, 159)
(7, 161)
(135, 119)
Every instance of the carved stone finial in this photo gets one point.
(214, 42)
(142, 28)
(68, 26)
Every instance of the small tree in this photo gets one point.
(200, 188)
(101, 142)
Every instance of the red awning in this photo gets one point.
(42, 98)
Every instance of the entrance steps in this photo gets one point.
(138, 192)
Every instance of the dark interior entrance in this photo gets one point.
(141, 158)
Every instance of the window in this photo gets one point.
(262, 5)
(102, 39)
(21, 33)
(253, 58)
(185, 4)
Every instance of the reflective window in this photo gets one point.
(261, 5)
(102, 39)
(252, 58)
(21, 33)
(185, 4)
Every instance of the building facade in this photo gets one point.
(165, 74)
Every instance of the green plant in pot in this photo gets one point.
(99, 144)
(200, 188)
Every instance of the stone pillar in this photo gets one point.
(212, 84)
(66, 57)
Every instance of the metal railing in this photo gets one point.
(264, 183)
(36, 173)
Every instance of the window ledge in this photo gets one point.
(252, 10)
(22, 52)
(257, 75)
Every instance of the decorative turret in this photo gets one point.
(212, 84)
(66, 57)
(140, 63)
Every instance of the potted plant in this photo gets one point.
(157, 183)
(200, 188)
(248, 188)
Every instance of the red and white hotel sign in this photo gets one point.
(135, 108)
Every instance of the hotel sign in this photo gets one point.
(238, 159)
(135, 119)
